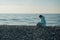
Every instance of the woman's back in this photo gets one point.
(43, 21)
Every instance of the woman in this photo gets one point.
(42, 22)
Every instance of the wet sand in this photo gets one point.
(29, 32)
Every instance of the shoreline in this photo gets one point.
(28, 25)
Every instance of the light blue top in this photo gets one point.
(43, 21)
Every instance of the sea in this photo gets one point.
(29, 19)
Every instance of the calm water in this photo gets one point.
(29, 19)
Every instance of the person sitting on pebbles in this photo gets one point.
(42, 22)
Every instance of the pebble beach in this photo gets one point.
(24, 32)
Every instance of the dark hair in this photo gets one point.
(40, 16)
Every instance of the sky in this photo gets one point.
(29, 6)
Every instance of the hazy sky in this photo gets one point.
(29, 6)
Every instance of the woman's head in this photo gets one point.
(40, 16)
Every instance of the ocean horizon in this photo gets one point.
(29, 19)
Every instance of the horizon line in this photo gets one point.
(30, 13)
